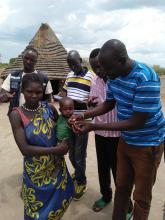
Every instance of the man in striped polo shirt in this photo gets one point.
(77, 87)
(106, 141)
(135, 88)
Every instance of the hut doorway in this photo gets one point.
(55, 86)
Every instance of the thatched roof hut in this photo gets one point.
(52, 55)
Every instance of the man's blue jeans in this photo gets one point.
(77, 156)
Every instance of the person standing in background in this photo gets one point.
(106, 141)
(11, 87)
(77, 87)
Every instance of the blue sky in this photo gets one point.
(84, 25)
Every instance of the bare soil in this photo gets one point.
(11, 206)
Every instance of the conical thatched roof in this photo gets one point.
(52, 55)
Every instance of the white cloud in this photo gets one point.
(72, 17)
(10, 49)
(109, 5)
(51, 6)
(84, 25)
(4, 12)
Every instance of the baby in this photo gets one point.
(64, 131)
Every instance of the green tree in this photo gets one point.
(159, 70)
(12, 60)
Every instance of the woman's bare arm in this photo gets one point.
(25, 148)
(55, 112)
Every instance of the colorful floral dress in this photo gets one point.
(47, 185)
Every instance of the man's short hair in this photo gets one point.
(94, 53)
(31, 49)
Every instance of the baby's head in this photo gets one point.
(66, 106)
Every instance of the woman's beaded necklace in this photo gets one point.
(31, 110)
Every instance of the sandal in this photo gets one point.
(129, 215)
(130, 210)
(99, 205)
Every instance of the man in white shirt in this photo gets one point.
(11, 87)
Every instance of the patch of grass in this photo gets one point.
(3, 65)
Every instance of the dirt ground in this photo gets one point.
(11, 206)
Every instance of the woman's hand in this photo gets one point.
(63, 147)
(82, 127)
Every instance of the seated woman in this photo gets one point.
(47, 185)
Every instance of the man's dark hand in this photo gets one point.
(82, 127)
(6, 96)
(92, 101)
(75, 118)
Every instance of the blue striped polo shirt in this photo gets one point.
(139, 91)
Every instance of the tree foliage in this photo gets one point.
(159, 70)
(86, 63)
(3, 65)
(12, 60)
